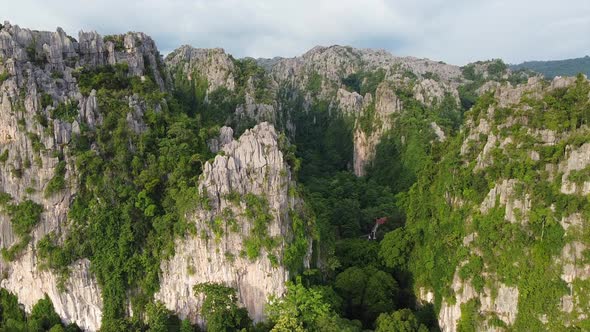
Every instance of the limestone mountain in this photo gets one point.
(204, 190)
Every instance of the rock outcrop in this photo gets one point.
(504, 304)
(214, 65)
(250, 172)
(366, 138)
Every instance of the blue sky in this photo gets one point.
(454, 31)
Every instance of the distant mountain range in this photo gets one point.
(568, 67)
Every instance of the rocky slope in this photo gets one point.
(532, 153)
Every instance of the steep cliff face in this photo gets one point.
(522, 267)
(366, 138)
(220, 81)
(243, 229)
(41, 110)
(214, 65)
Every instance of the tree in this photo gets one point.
(299, 308)
(9, 309)
(350, 284)
(399, 321)
(186, 326)
(43, 315)
(158, 317)
(357, 252)
(220, 309)
(367, 292)
(395, 248)
(380, 293)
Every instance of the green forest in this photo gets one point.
(550, 69)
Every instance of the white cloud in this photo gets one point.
(456, 31)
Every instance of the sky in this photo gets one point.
(454, 31)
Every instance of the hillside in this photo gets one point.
(204, 192)
(550, 69)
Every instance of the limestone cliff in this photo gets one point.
(325, 73)
(515, 126)
(40, 83)
(214, 65)
(214, 75)
(247, 184)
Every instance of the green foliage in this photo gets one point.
(357, 252)
(324, 141)
(301, 309)
(367, 292)
(297, 249)
(42, 318)
(117, 40)
(399, 321)
(395, 248)
(9, 309)
(43, 315)
(5, 198)
(496, 68)
(481, 106)
(135, 191)
(550, 69)
(10, 254)
(4, 156)
(367, 119)
(257, 212)
(353, 82)
(24, 216)
(247, 69)
(57, 182)
(55, 74)
(186, 326)
(220, 309)
(579, 176)
(107, 77)
(364, 82)
(4, 76)
(404, 152)
(469, 73)
(160, 319)
(314, 83)
(36, 142)
(46, 100)
(66, 112)
(33, 56)
(431, 76)
(563, 109)
(371, 81)
(470, 317)
(449, 113)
